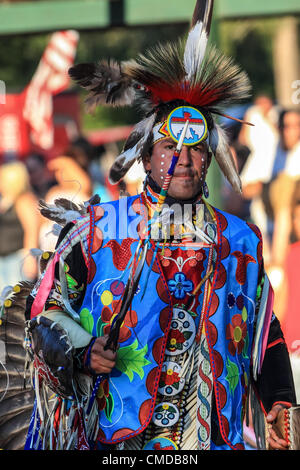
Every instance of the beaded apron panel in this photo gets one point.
(181, 418)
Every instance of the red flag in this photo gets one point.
(14, 140)
(50, 78)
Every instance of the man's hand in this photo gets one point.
(101, 361)
(275, 442)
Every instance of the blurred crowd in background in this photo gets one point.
(268, 156)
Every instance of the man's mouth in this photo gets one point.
(184, 175)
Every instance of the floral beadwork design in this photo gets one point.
(176, 340)
(182, 332)
(109, 313)
(170, 382)
(180, 285)
(105, 399)
(102, 394)
(236, 333)
(165, 414)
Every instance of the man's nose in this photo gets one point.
(185, 156)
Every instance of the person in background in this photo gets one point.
(89, 159)
(235, 203)
(280, 196)
(19, 225)
(266, 167)
(73, 183)
(261, 139)
(284, 198)
(264, 114)
(41, 179)
(289, 295)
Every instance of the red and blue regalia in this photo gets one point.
(225, 312)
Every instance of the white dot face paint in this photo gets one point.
(162, 163)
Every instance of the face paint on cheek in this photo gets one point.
(203, 172)
(162, 163)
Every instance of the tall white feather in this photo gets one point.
(195, 50)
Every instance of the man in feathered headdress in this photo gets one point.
(153, 321)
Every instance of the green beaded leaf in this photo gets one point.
(100, 326)
(130, 360)
(71, 282)
(246, 347)
(232, 375)
(244, 314)
(87, 320)
(169, 409)
(109, 407)
(259, 289)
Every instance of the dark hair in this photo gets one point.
(282, 115)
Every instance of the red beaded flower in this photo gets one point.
(108, 314)
(236, 332)
(169, 377)
(102, 394)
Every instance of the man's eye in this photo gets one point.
(170, 146)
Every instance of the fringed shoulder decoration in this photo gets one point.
(263, 321)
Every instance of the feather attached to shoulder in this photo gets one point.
(62, 211)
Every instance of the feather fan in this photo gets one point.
(16, 402)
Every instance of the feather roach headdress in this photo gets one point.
(187, 72)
